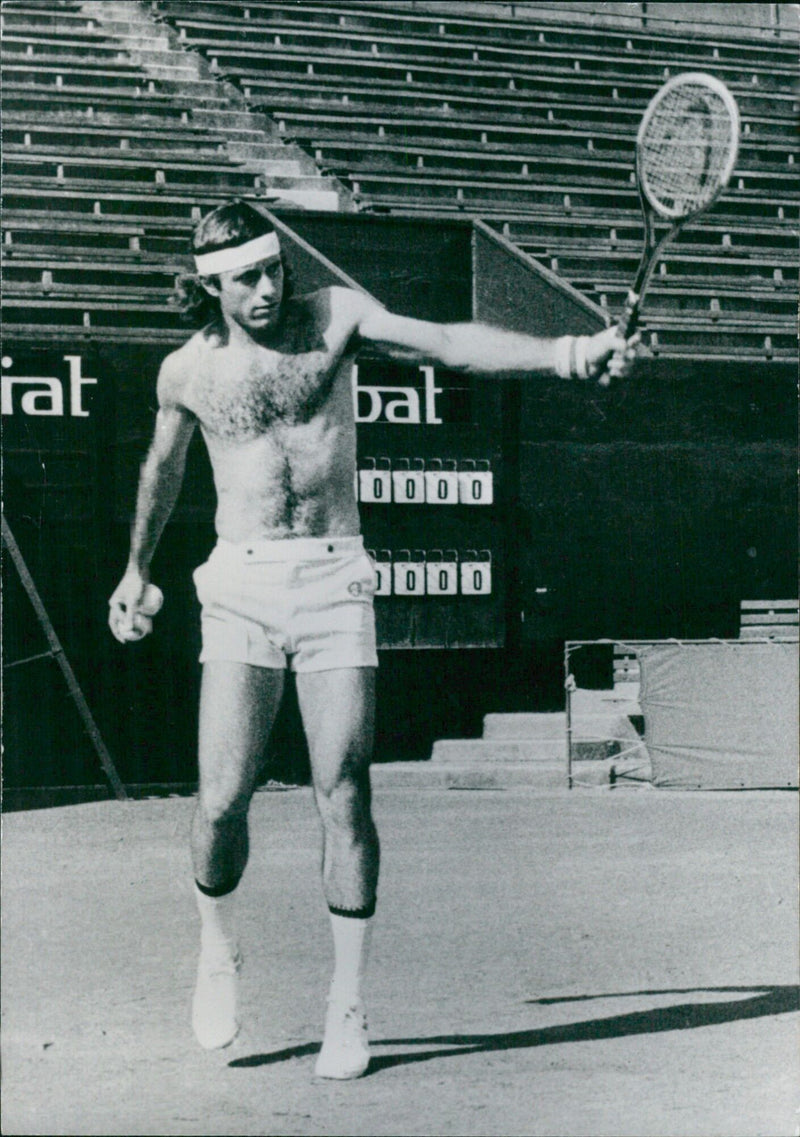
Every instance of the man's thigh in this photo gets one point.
(238, 706)
(338, 709)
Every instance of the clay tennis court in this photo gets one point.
(593, 962)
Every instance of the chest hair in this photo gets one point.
(249, 396)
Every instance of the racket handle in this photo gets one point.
(626, 327)
(630, 316)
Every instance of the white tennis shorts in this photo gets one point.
(305, 603)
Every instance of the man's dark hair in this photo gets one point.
(231, 224)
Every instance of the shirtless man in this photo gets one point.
(268, 381)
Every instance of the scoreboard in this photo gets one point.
(429, 484)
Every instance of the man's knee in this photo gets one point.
(344, 801)
(220, 804)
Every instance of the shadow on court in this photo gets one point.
(685, 1016)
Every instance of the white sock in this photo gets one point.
(351, 942)
(217, 921)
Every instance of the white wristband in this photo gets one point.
(562, 357)
(581, 363)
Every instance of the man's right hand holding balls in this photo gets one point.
(132, 606)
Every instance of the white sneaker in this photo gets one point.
(345, 1051)
(214, 1018)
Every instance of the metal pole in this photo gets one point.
(57, 652)
(569, 685)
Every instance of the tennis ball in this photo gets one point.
(152, 599)
(141, 622)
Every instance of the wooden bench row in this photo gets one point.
(66, 59)
(595, 126)
(119, 74)
(773, 272)
(28, 231)
(85, 272)
(477, 57)
(67, 145)
(542, 152)
(728, 214)
(104, 277)
(95, 47)
(15, 12)
(577, 43)
(715, 303)
(82, 77)
(140, 205)
(615, 224)
(675, 337)
(26, 131)
(86, 280)
(590, 190)
(476, 193)
(33, 99)
(688, 284)
(403, 195)
(311, 129)
(501, 103)
(21, 169)
(245, 65)
(439, 91)
(774, 268)
(76, 313)
(302, 104)
(247, 19)
(143, 159)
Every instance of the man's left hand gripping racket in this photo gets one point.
(686, 150)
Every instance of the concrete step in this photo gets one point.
(163, 64)
(236, 120)
(287, 174)
(143, 41)
(543, 776)
(466, 751)
(537, 776)
(270, 155)
(201, 92)
(429, 775)
(239, 136)
(525, 726)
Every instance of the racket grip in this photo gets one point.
(626, 328)
(630, 316)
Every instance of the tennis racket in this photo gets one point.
(686, 150)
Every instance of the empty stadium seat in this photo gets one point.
(447, 112)
(524, 122)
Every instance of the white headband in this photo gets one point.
(223, 260)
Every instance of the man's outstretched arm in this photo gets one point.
(160, 483)
(485, 350)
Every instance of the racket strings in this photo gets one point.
(685, 148)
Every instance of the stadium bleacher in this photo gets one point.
(122, 120)
(113, 145)
(531, 126)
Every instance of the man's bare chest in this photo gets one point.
(241, 397)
